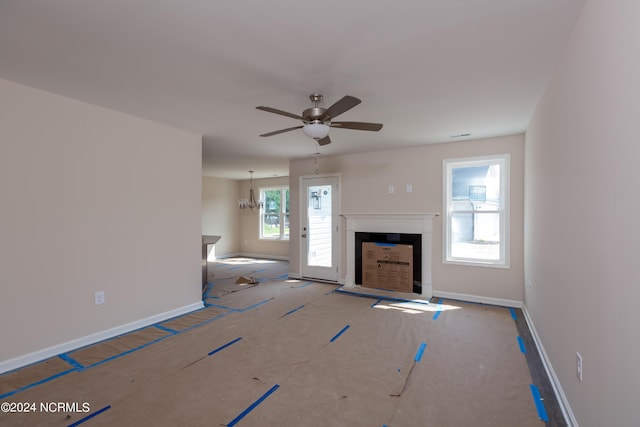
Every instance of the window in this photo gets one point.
(274, 215)
(477, 211)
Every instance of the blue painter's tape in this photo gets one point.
(284, 276)
(342, 290)
(203, 323)
(79, 367)
(513, 314)
(521, 344)
(339, 333)
(304, 285)
(376, 303)
(294, 310)
(224, 346)
(71, 361)
(385, 244)
(420, 352)
(240, 310)
(124, 353)
(37, 383)
(88, 417)
(253, 406)
(537, 399)
(164, 328)
(439, 310)
(254, 305)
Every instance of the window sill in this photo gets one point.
(479, 263)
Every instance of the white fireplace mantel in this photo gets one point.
(392, 223)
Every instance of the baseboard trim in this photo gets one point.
(40, 355)
(479, 299)
(555, 382)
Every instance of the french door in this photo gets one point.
(319, 227)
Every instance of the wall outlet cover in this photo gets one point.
(99, 297)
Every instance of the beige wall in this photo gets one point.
(365, 179)
(92, 200)
(220, 214)
(250, 243)
(582, 230)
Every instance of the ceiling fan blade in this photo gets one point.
(357, 125)
(345, 104)
(324, 141)
(275, 132)
(282, 113)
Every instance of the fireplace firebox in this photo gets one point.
(394, 238)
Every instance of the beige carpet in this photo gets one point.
(291, 353)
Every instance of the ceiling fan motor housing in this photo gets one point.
(313, 114)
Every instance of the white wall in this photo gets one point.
(582, 233)
(365, 179)
(92, 200)
(220, 214)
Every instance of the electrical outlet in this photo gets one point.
(579, 366)
(99, 297)
(391, 189)
(409, 188)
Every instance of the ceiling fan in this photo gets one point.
(317, 120)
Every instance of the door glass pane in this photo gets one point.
(319, 228)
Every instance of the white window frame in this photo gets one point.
(503, 210)
(281, 215)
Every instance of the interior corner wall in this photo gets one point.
(365, 179)
(92, 200)
(220, 214)
(582, 233)
(250, 242)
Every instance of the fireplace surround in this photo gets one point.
(421, 224)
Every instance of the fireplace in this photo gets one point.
(393, 226)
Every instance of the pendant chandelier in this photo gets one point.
(251, 202)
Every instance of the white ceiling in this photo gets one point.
(427, 69)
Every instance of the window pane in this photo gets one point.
(271, 225)
(272, 201)
(478, 185)
(475, 235)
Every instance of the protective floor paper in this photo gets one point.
(293, 353)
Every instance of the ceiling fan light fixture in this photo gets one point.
(316, 130)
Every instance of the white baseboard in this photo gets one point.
(478, 299)
(39, 355)
(555, 382)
